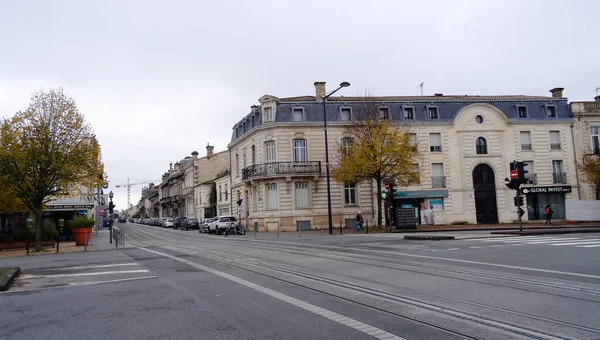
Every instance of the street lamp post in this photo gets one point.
(110, 195)
(344, 84)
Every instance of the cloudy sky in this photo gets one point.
(159, 79)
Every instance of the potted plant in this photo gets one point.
(81, 227)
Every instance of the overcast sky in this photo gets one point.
(159, 79)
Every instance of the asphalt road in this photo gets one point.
(171, 284)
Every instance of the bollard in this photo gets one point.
(277, 230)
(367, 226)
(57, 243)
(85, 241)
(27, 246)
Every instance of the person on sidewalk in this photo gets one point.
(549, 212)
(359, 222)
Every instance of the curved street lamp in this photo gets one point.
(343, 84)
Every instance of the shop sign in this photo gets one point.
(421, 194)
(70, 206)
(544, 190)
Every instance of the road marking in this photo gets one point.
(88, 274)
(453, 249)
(97, 266)
(333, 316)
(582, 242)
(387, 252)
(77, 284)
(590, 246)
(474, 247)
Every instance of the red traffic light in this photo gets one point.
(387, 186)
(514, 174)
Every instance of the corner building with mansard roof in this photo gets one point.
(466, 143)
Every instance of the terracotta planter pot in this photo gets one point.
(82, 235)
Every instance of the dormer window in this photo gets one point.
(345, 113)
(432, 112)
(551, 111)
(268, 114)
(522, 111)
(384, 113)
(409, 113)
(297, 114)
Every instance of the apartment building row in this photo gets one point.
(275, 162)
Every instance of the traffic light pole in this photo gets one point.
(519, 210)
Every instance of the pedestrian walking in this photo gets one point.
(549, 212)
(359, 222)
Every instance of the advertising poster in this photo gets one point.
(427, 206)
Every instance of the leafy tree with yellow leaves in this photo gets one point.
(591, 168)
(380, 150)
(47, 151)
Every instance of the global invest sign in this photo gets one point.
(538, 190)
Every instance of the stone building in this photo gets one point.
(587, 139)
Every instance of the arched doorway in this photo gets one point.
(485, 194)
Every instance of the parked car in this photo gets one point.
(169, 223)
(190, 223)
(177, 223)
(219, 224)
(204, 228)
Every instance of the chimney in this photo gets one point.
(319, 90)
(195, 154)
(557, 92)
(209, 150)
(438, 94)
(253, 108)
(170, 167)
(597, 98)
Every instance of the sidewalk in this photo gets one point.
(100, 240)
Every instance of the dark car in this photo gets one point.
(190, 223)
(178, 222)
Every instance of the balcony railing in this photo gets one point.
(526, 147)
(554, 146)
(280, 168)
(531, 178)
(438, 182)
(559, 177)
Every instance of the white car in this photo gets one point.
(169, 223)
(218, 225)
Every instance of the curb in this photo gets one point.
(8, 279)
(548, 232)
(428, 237)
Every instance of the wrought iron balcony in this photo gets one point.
(554, 146)
(531, 178)
(438, 181)
(559, 177)
(280, 168)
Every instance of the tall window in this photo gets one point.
(409, 113)
(244, 160)
(302, 195)
(272, 196)
(595, 132)
(268, 113)
(220, 194)
(253, 154)
(481, 146)
(271, 155)
(345, 113)
(435, 142)
(433, 112)
(525, 137)
(384, 113)
(551, 111)
(350, 194)
(299, 150)
(297, 114)
(438, 180)
(554, 140)
(226, 192)
(346, 144)
(413, 139)
(530, 176)
(557, 172)
(522, 111)
(237, 165)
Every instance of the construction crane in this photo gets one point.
(129, 185)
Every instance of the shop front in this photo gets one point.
(423, 202)
(59, 212)
(539, 197)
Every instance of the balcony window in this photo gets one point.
(438, 180)
(301, 195)
(435, 142)
(268, 114)
(226, 192)
(270, 152)
(350, 194)
(432, 112)
(409, 113)
(297, 114)
(220, 194)
(345, 113)
(300, 150)
(554, 140)
(237, 165)
(253, 150)
(272, 196)
(525, 137)
(481, 146)
(595, 133)
(522, 111)
(384, 113)
(557, 172)
(346, 144)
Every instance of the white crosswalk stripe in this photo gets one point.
(556, 241)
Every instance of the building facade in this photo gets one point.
(466, 145)
(587, 140)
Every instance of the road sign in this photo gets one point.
(387, 186)
(514, 174)
(240, 210)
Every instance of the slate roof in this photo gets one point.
(443, 98)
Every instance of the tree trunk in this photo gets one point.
(38, 228)
(379, 216)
